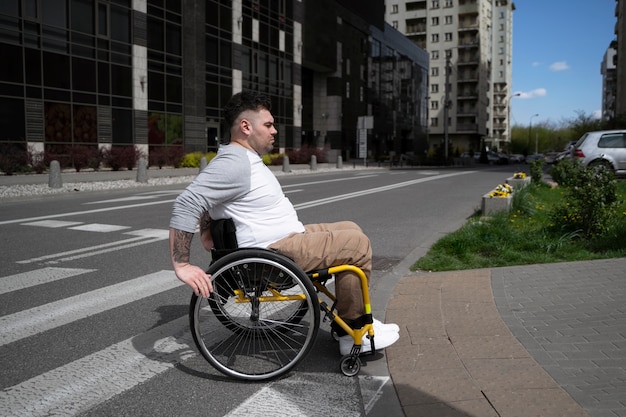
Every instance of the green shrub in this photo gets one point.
(536, 171)
(589, 202)
(565, 172)
(193, 159)
(273, 158)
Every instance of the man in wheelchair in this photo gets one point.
(238, 185)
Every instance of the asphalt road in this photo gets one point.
(93, 321)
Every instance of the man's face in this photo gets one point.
(260, 130)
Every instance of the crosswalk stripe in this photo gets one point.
(299, 395)
(89, 381)
(89, 251)
(49, 316)
(40, 276)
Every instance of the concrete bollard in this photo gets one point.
(54, 176)
(142, 170)
(203, 163)
(339, 162)
(313, 163)
(286, 164)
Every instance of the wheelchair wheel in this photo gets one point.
(261, 319)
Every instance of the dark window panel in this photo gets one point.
(120, 24)
(56, 95)
(12, 55)
(104, 83)
(16, 90)
(103, 19)
(83, 74)
(83, 16)
(122, 126)
(155, 34)
(33, 92)
(54, 39)
(212, 14)
(173, 6)
(9, 29)
(54, 13)
(121, 81)
(156, 86)
(10, 7)
(211, 51)
(12, 109)
(226, 18)
(174, 89)
(225, 54)
(57, 72)
(173, 39)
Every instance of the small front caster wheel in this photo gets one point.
(350, 365)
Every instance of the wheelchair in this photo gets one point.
(264, 313)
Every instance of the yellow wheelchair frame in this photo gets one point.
(264, 314)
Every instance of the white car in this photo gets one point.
(606, 148)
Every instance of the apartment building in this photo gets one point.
(156, 74)
(620, 58)
(470, 48)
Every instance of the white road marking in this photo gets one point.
(347, 196)
(299, 395)
(49, 316)
(89, 381)
(80, 213)
(91, 250)
(38, 277)
(99, 227)
(52, 223)
(155, 233)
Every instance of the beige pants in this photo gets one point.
(331, 244)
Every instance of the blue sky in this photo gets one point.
(558, 47)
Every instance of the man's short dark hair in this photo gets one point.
(240, 102)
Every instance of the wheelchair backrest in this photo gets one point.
(223, 232)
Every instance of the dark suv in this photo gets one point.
(606, 148)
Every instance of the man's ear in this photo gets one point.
(245, 126)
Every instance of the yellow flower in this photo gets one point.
(501, 191)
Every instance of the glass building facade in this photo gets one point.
(154, 74)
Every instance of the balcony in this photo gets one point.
(467, 127)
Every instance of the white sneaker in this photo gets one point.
(379, 326)
(382, 340)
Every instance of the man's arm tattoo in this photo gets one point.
(205, 222)
(182, 246)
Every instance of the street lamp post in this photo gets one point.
(509, 117)
(530, 128)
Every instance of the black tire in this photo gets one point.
(261, 319)
(601, 164)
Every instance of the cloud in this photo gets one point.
(537, 92)
(559, 66)
(535, 64)
(597, 114)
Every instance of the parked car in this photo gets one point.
(494, 158)
(535, 157)
(551, 157)
(516, 158)
(605, 148)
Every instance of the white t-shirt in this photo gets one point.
(237, 184)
